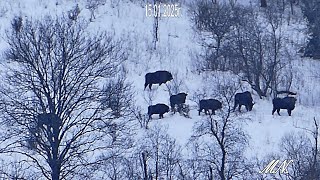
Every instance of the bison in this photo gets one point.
(245, 99)
(158, 109)
(283, 103)
(207, 104)
(157, 77)
(177, 99)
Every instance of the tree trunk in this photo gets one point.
(315, 153)
(223, 163)
(263, 3)
(156, 27)
(144, 163)
(291, 7)
(210, 173)
(55, 167)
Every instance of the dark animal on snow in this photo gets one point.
(177, 99)
(245, 99)
(211, 104)
(283, 103)
(157, 77)
(158, 109)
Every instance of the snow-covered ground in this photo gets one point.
(176, 41)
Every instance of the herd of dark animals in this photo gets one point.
(245, 98)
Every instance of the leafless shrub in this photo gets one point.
(175, 85)
(3, 11)
(159, 155)
(92, 6)
(198, 95)
(17, 24)
(142, 118)
(184, 110)
(149, 97)
(74, 13)
(117, 96)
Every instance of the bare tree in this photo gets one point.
(73, 14)
(297, 147)
(259, 49)
(142, 118)
(302, 149)
(306, 151)
(118, 96)
(176, 84)
(234, 39)
(16, 170)
(221, 141)
(92, 6)
(17, 23)
(162, 152)
(156, 26)
(311, 10)
(196, 166)
(213, 22)
(52, 96)
(156, 4)
(114, 164)
(156, 156)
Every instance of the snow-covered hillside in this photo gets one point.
(175, 52)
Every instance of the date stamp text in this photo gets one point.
(163, 10)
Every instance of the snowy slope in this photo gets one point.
(128, 21)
